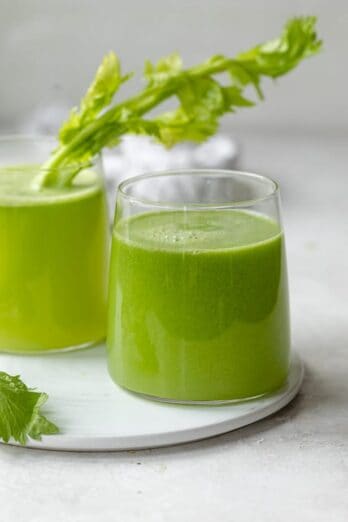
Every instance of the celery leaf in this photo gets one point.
(202, 98)
(20, 415)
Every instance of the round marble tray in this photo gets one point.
(95, 415)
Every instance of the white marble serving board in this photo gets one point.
(96, 415)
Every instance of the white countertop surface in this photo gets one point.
(292, 466)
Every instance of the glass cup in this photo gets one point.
(54, 253)
(198, 295)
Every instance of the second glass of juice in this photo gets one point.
(198, 296)
(54, 253)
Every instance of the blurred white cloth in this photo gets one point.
(139, 154)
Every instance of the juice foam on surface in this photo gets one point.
(197, 231)
(16, 189)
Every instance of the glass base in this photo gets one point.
(219, 402)
(51, 351)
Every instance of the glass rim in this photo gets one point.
(196, 172)
(8, 138)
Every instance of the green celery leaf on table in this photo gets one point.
(20, 415)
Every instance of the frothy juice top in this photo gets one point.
(16, 187)
(196, 230)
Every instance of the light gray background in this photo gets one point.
(293, 466)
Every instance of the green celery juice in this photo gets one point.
(53, 262)
(198, 305)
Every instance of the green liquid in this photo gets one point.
(53, 262)
(198, 305)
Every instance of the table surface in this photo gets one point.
(292, 466)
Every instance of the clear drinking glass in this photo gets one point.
(198, 296)
(54, 253)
